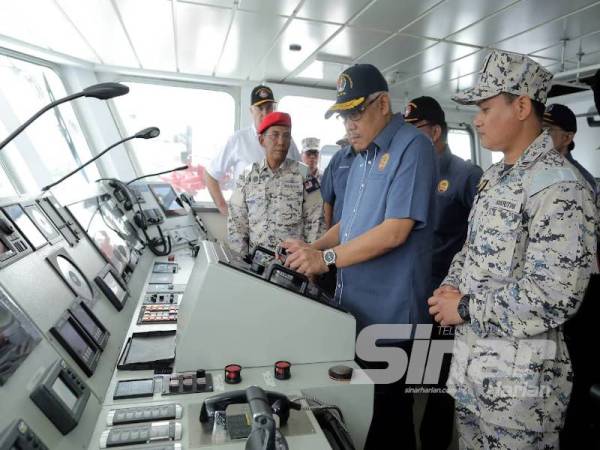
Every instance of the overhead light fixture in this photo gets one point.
(335, 59)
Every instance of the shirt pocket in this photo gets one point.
(494, 239)
(256, 200)
(289, 208)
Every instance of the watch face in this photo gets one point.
(329, 256)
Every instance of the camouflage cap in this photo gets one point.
(512, 73)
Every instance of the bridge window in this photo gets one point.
(308, 121)
(461, 143)
(194, 125)
(54, 144)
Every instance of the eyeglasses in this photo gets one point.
(356, 114)
(276, 136)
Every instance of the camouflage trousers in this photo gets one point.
(476, 434)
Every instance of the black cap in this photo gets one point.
(563, 118)
(424, 108)
(261, 94)
(354, 85)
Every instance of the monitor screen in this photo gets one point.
(114, 286)
(167, 199)
(27, 227)
(74, 340)
(86, 321)
(96, 217)
(3, 247)
(64, 392)
(39, 218)
(18, 337)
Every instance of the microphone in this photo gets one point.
(146, 133)
(102, 91)
(176, 169)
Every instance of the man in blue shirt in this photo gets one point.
(456, 189)
(333, 184)
(382, 245)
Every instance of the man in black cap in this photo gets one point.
(562, 125)
(456, 189)
(382, 244)
(243, 148)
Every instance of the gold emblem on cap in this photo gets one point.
(443, 185)
(342, 81)
(383, 161)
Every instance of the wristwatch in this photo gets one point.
(329, 257)
(463, 308)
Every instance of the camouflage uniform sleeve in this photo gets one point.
(312, 215)
(556, 267)
(456, 267)
(238, 230)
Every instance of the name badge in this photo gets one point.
(508, 205)
(311, 185)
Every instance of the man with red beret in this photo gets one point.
(242, 149)
(274, 199)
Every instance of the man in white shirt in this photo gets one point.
(242, 149)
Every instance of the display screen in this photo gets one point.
(3, 247)
(134, 388)
(98, 220)
(114, 286)
(64, 392)
(86, 321)
(75, 341)
(39, 218)
(25, 224)
(167, 198)
(18, 337)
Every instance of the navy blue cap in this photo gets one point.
(354, 85)
(563, 118)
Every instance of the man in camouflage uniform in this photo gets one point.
(274, 199)
(522, 271)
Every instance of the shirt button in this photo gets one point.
(354, 210)
(370, 162)
(360, 165)
(362, 185)
(339, 285)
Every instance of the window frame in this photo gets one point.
(234, 91)
(13, 178)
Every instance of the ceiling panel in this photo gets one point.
(281, 61)
(41, 23)
(270, 7)
(552, 33)
(250, 37)
(589, 44)
(331, 10)
(431, 58)
(97, 20)
(396, 49)
(445, 20)
(521, 17)
(201, 31)
(221, 3)
(152, 37)
(353, 42)
(392, 15)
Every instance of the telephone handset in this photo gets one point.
(263, 404)
(279, 403)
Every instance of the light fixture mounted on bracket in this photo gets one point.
(335, 59)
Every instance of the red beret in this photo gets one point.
(275, 118)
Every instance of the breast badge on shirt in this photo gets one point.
(311, 184)
(383, 161)
(443, 185)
